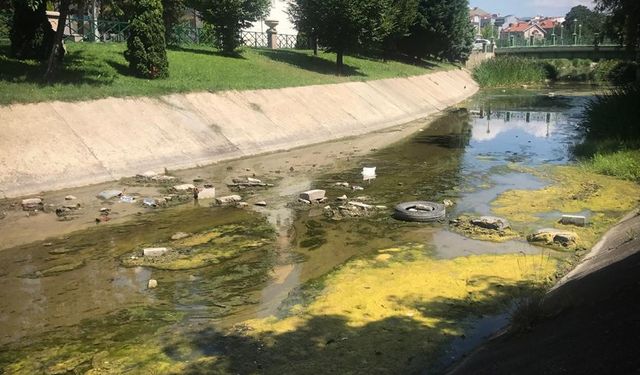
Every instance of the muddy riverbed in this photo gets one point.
(297, 288)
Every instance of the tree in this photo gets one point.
(398, 17)
(488, 31)
(229, 17)
(341, 25)
(303, 14)
(57, 49)
(625, 14)
(442, 29)
(146, 51)
(31, 33)
(172, 11)
(585, 21)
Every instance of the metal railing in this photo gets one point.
(510, 41)
(85, 29)
(254, 39)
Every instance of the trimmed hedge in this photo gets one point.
(146, 49)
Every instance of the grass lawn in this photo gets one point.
(100, 70)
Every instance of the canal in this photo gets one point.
(291, 287)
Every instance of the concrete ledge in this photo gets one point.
(55, 145)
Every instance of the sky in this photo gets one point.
(524, 8)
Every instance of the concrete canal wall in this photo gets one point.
(55, 145)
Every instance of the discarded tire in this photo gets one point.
(419, 211)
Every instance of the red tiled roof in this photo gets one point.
(518, 27)
(547, 24)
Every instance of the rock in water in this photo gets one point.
(184, 187)
(229, 199)
(491, 222)
(108, 194)
(313, 195)
(155, 251)
(153, 283)
(179, 236)
(31, 204)
(207, 193)
(552, 236)
(576, 220)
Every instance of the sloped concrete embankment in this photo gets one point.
(55, 145)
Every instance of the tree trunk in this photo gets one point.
(57, 41)
(339, 62)
(314, 43)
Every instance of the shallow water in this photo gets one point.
(75, 288)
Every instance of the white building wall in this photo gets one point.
(278, 12)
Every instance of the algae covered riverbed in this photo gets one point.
(292, 288)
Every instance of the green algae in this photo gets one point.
(572, 190)
(206, 248)
(78, 350)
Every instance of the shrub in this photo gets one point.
(621, 164)
(509, 71)
(31, 33)
(615, 71)
(146, 51)
(614, 115)
(5, 23)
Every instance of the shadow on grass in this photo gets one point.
(330, 344)
(77, 68)
(119, 67)
(397, 57)
(309, 62)
(206, 52)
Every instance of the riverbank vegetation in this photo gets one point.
(510, 71)
(97, 70)
(611, 126)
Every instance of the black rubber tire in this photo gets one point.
(401, 211)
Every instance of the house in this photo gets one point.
(505, 21)
(480, 18)
(549, 25)
(523, 30)
(278, 12)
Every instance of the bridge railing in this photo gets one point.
(553, 41)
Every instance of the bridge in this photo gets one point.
(593, 52)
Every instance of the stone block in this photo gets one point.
(229, 199)
(576, 220)
(184, 187)
(155, 251)
(207, 193)
(313, 195)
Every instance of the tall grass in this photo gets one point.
(512, 71)
(614, 115)
(611, 125)
(509, 71)
(621, 164)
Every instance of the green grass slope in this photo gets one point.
(94, 70)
